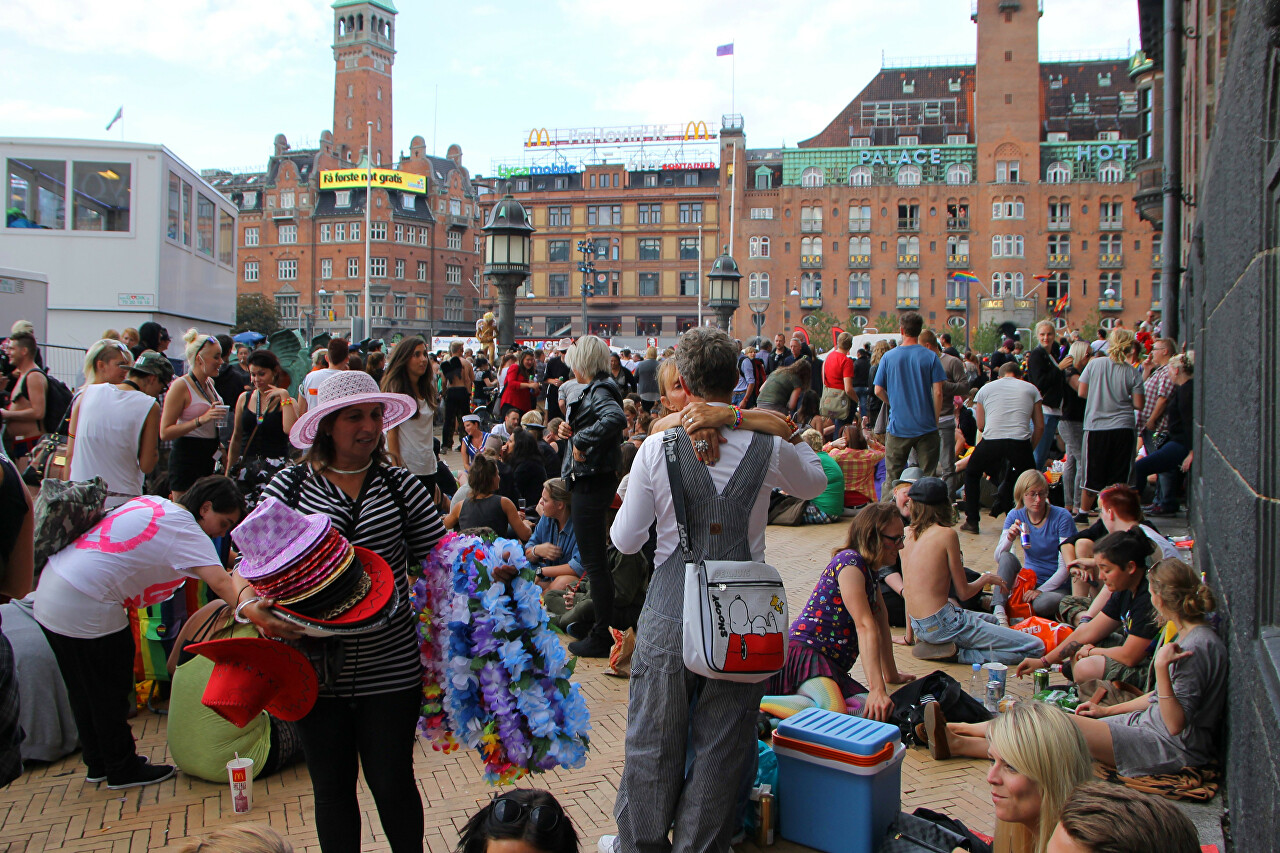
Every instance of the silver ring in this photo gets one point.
(702, 445)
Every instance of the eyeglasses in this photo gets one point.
(543, 818)
(1038, 495)
(899, 540)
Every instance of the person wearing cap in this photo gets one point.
(932, 570)
(474, 440)
(367, 717)
(557, 372)
(114, 431)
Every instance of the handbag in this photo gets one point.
(929, 832)
(735, 611)
(910, 699)
(834, 404)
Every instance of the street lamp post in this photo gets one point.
(588, 270)
(722, 287)
(506, 260)
(758, 308)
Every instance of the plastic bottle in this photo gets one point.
(977, 688)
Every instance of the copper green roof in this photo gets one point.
(385, 5)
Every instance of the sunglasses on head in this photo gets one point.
(544, 817)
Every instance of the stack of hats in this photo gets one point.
(309, 570)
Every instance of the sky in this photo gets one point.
(216, 80)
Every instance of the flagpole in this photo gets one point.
(733, 79)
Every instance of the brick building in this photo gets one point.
(1008, 168)
(303, 245)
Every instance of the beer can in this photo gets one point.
(1039, 680)
(992, 703)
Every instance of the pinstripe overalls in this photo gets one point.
(720, 727)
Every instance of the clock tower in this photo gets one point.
(363, 54)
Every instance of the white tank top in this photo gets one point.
(107, 433)
(417, 445)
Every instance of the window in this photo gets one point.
(860, 246)
(957, 139)
(377, 305)
(811, 246)
(559, 326)
(399, 268)
(860, 217)
(286, 200)
(204, 224)
(287, 270)
(690, 211)
(287, 306)
(606, 248)
(558, 251)
(406, 201)
(651, 180)
(813, 176)
(453, 274)
(1146, 122)
(648, 284)
(342, 198)
(1057, 286)
(1060, 213)
(353, 304)
(1006, 284)
(908, 245)
(1110, 285)
(690, 179)
(957, 246)
(604, 182)
(455, 207)
(1060, 244)
(1157, 289)
(1058, 173)
(1110, 244)
(558, 284)
(764, 178)
(1111, 214)
(908, 176)
(1111, 172)
(340, 232)
(760, 247)
(326, 268)
(1006, 246)
(811, 219)
(100, 194)
(811, 286)
(353, 267)
(650, 249)
(287, 234)
(326, 306)
(758, 285)
(688, 248)
(1008, 171)
(355, 231)
(226, 238)
(959, 173)
(908, 141)
(762, 213)
(908, 285)
(1008, 207)
(650, 214)
(522, 186)
(377, 230)
(605, 327)
(648, 326)
(399, 233)
(559, 217)
(453, 239)
(250, 270)
(604, 215)
(249, 201)
(689, 283)
(860, 286)
(251, 236)
(860, 176)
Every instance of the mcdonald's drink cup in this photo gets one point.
(240, 770)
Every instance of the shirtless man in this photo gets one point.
(458, 377)
(22, 420)
(931, 568)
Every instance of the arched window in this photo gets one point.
(1017, 285)
(342, 27)
(1059, 173)
(1111, 172)
(903, 244)
(859, 245)
(959, 173)
(806, 245)
(859, 286)
(997, 245)
(816, 248)
(812, 177)
(811, 286)
(996, 289)
(860, 176)
(755, 247)
(908, 176)
(908, 285)
(348, 122)
(913, 245)
(758, 285)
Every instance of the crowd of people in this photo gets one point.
(615, 470)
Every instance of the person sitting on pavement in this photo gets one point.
(1116, 644)
(782, 390)
(553, 548)
(483, 506)
(1041, 527)
(844, 619)
(475, 440)
(1175, 454)
(826, 507)
(932, 570)
(1100, 817)
(857, 456)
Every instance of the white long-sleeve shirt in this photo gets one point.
(794, 468)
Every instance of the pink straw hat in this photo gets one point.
(350, 388)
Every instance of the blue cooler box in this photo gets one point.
(839, 780)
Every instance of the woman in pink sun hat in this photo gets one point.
(367, 717)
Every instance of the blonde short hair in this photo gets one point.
(1028, 480)
(1046, 323)
(813, 438)
(196, 342)
(651, 352)
(1079, 353)
(98, 352)
(1184, 361)
(589, 356)
(667, 376)
(240, 838)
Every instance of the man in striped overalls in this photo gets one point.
(673, 713)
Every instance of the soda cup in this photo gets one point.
(240, 771)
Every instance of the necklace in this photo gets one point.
(356, 471)
(131, 384)
(259, 407)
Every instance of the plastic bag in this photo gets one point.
(1050, 633)
(1025, 582)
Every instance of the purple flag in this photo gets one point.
(725, 50)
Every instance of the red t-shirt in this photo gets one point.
(836, 367)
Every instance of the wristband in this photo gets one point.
(287, 401)
(1083, 619)
(1045, 662)
(242, 620)
(737, 417)
(1158, 696)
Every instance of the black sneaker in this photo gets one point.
(95, 774)
(578, 630)
(143, 773)
(1082, 518)
(596, 645)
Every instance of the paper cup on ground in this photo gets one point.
(240, 771)
(998, 672)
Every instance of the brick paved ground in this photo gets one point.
(53, 808)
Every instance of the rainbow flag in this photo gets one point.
(967, 277)
(721, 50)
(1042, 277)
(1061, 304)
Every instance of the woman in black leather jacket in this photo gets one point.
(594, 428)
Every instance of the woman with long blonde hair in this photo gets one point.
(1112, 390)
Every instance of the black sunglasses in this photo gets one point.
(544, 818)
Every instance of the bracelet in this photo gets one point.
(1045, 661)
(737, 417)
(242, 620)
(287, 401)
(1085, 618)
(71, 435)
(241, 593)
(1158, 696)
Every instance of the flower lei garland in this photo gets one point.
(495, 677)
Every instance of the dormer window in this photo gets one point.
(1104, 79)
(908, 87)
(342, 198)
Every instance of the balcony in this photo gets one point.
(957, 223)
(1157, 304)
(1157, 261)
(859, 262)
(859, 226)
(1111, 225)
(1110, 261)
(284, 213)
(910, 262)
(908, 223)
(860, 303)
(1061, 224)
(1060, 262)
(959, 303)
(905, 302)
(810, 226)
(810, 262)
(1111, 304)
(957, 262)
(810, 301)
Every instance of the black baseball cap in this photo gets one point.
(928, 490)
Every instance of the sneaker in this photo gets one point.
(1159, 511)
(1082, 518)
(934, 651)
(596, 645)
(1002, 617)
(93, 774)
(607, 844)
(143, 773)
(578, 630)
(969, 527)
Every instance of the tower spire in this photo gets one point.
(363, 54)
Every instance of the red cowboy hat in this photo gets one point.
(253, 674)
(368, 609)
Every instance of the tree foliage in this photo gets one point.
(885, 324)
(256, 313)
(985, 338)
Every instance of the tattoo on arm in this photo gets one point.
(1068, 650)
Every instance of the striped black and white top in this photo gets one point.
(385, 660)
